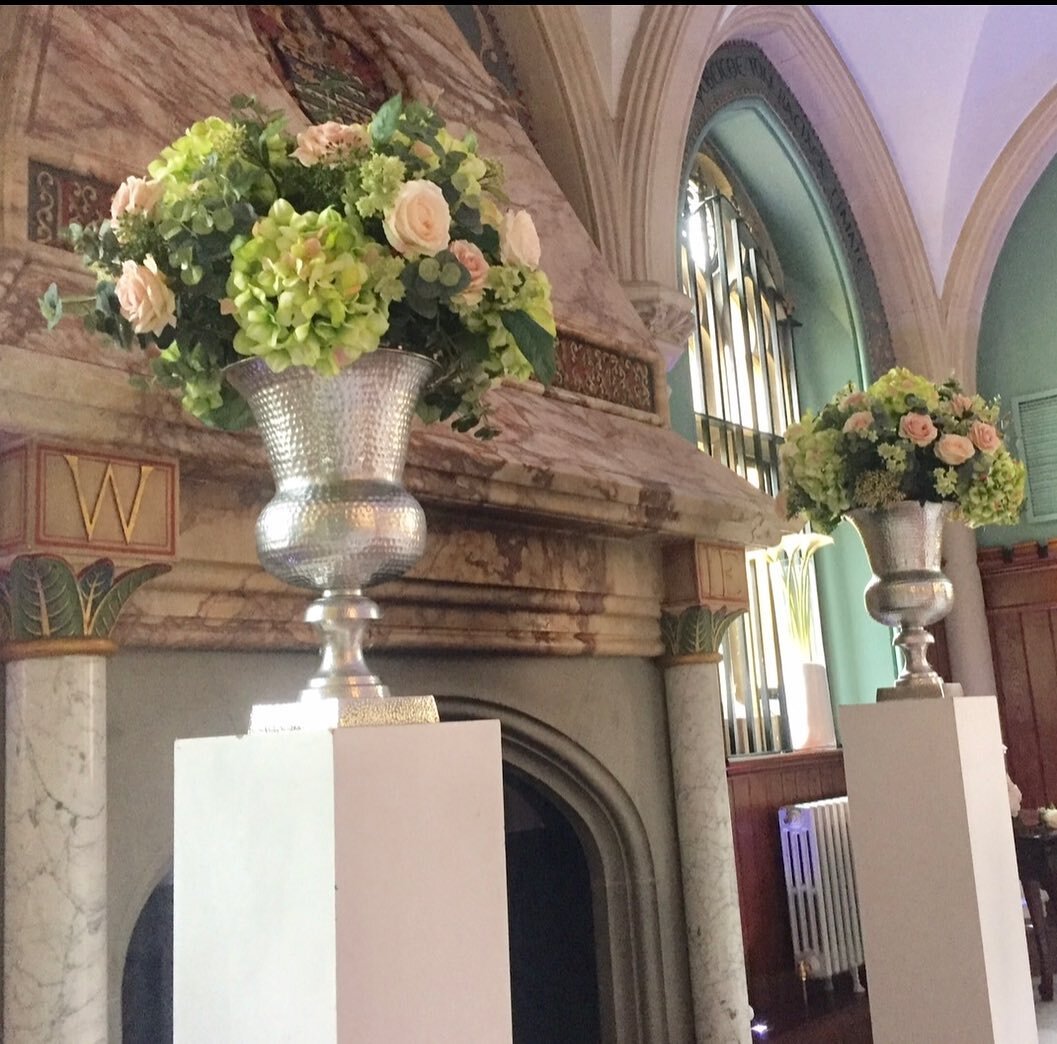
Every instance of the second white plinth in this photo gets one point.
(943, 931)
(342, 886)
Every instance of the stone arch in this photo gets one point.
(631, 989)
(673, 47)
(740, 74)
(1013, 175)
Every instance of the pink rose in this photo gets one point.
(917, 427)
(136, 196)
(954, 449)
(519, 243)
(961, 404)
(984, 436)
(854, 401)
(145, 298)
(329, 142)
(857, 423)
(470, 257)
(419, 221)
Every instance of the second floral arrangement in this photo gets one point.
(904, 438)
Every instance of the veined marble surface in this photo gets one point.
(706, 845)
(55, 959)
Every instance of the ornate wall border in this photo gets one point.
(738, 71)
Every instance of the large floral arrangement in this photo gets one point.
(312, 250)
(903, 438)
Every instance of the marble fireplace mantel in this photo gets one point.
(548, 539)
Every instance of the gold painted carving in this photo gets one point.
(128, 523)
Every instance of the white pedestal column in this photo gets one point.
(943, 931)
(706, 846)
(55, 981)
(339, 886)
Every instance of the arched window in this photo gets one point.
(743, 382)
(767, 234)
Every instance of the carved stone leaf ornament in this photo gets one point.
(42, 597)
(697, 630)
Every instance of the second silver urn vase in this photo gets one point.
(908, 591)
(341, 519)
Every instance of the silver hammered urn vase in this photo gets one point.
(340, 519)
(908, 591)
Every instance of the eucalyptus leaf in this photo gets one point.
(383, 126)
(51, 306)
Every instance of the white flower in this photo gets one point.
(519, 243)
(145, 298)
(419, 221)
(136, 196)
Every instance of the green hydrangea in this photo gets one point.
(894, 455)
(813, 472)
(302, 294)
(180, 162)
(946, 480)
(379, 180)
(994, 498)
(898, 385)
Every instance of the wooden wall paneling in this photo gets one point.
(758, 787)
(1016, 705)
(1041, 661)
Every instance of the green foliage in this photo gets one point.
(41, 597)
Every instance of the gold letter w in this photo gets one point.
(128, 522)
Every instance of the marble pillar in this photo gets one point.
(706, 846)
(55, 961)
(968, 640)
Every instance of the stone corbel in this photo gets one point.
(668, 315)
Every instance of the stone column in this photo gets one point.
(692, 635)
(56, 621)
(55, 957)
(968, 640)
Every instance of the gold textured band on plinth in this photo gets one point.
(390, 710)
(44, 648)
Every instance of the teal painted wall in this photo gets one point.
(859, 655)
(1017, 351)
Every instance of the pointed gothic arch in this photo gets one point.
(614, 839)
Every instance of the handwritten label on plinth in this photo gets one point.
(77, 499)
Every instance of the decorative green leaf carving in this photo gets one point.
(45, 602)
(42, 597)
(114, 600)
(697, 629)
(93, 582)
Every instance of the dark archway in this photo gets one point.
(146, 985)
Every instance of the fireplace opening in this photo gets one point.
(553, 971)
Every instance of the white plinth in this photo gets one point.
(342, 886)
(943, 930)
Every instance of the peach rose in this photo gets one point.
(145, 298)
(857, 423)
(854, 401)
(519, 243)
(917, 427)
(327, 142)
(954, 449)
(961, 404)
(136, 196)
(470, 257)
(984, 436)
(419, 221)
